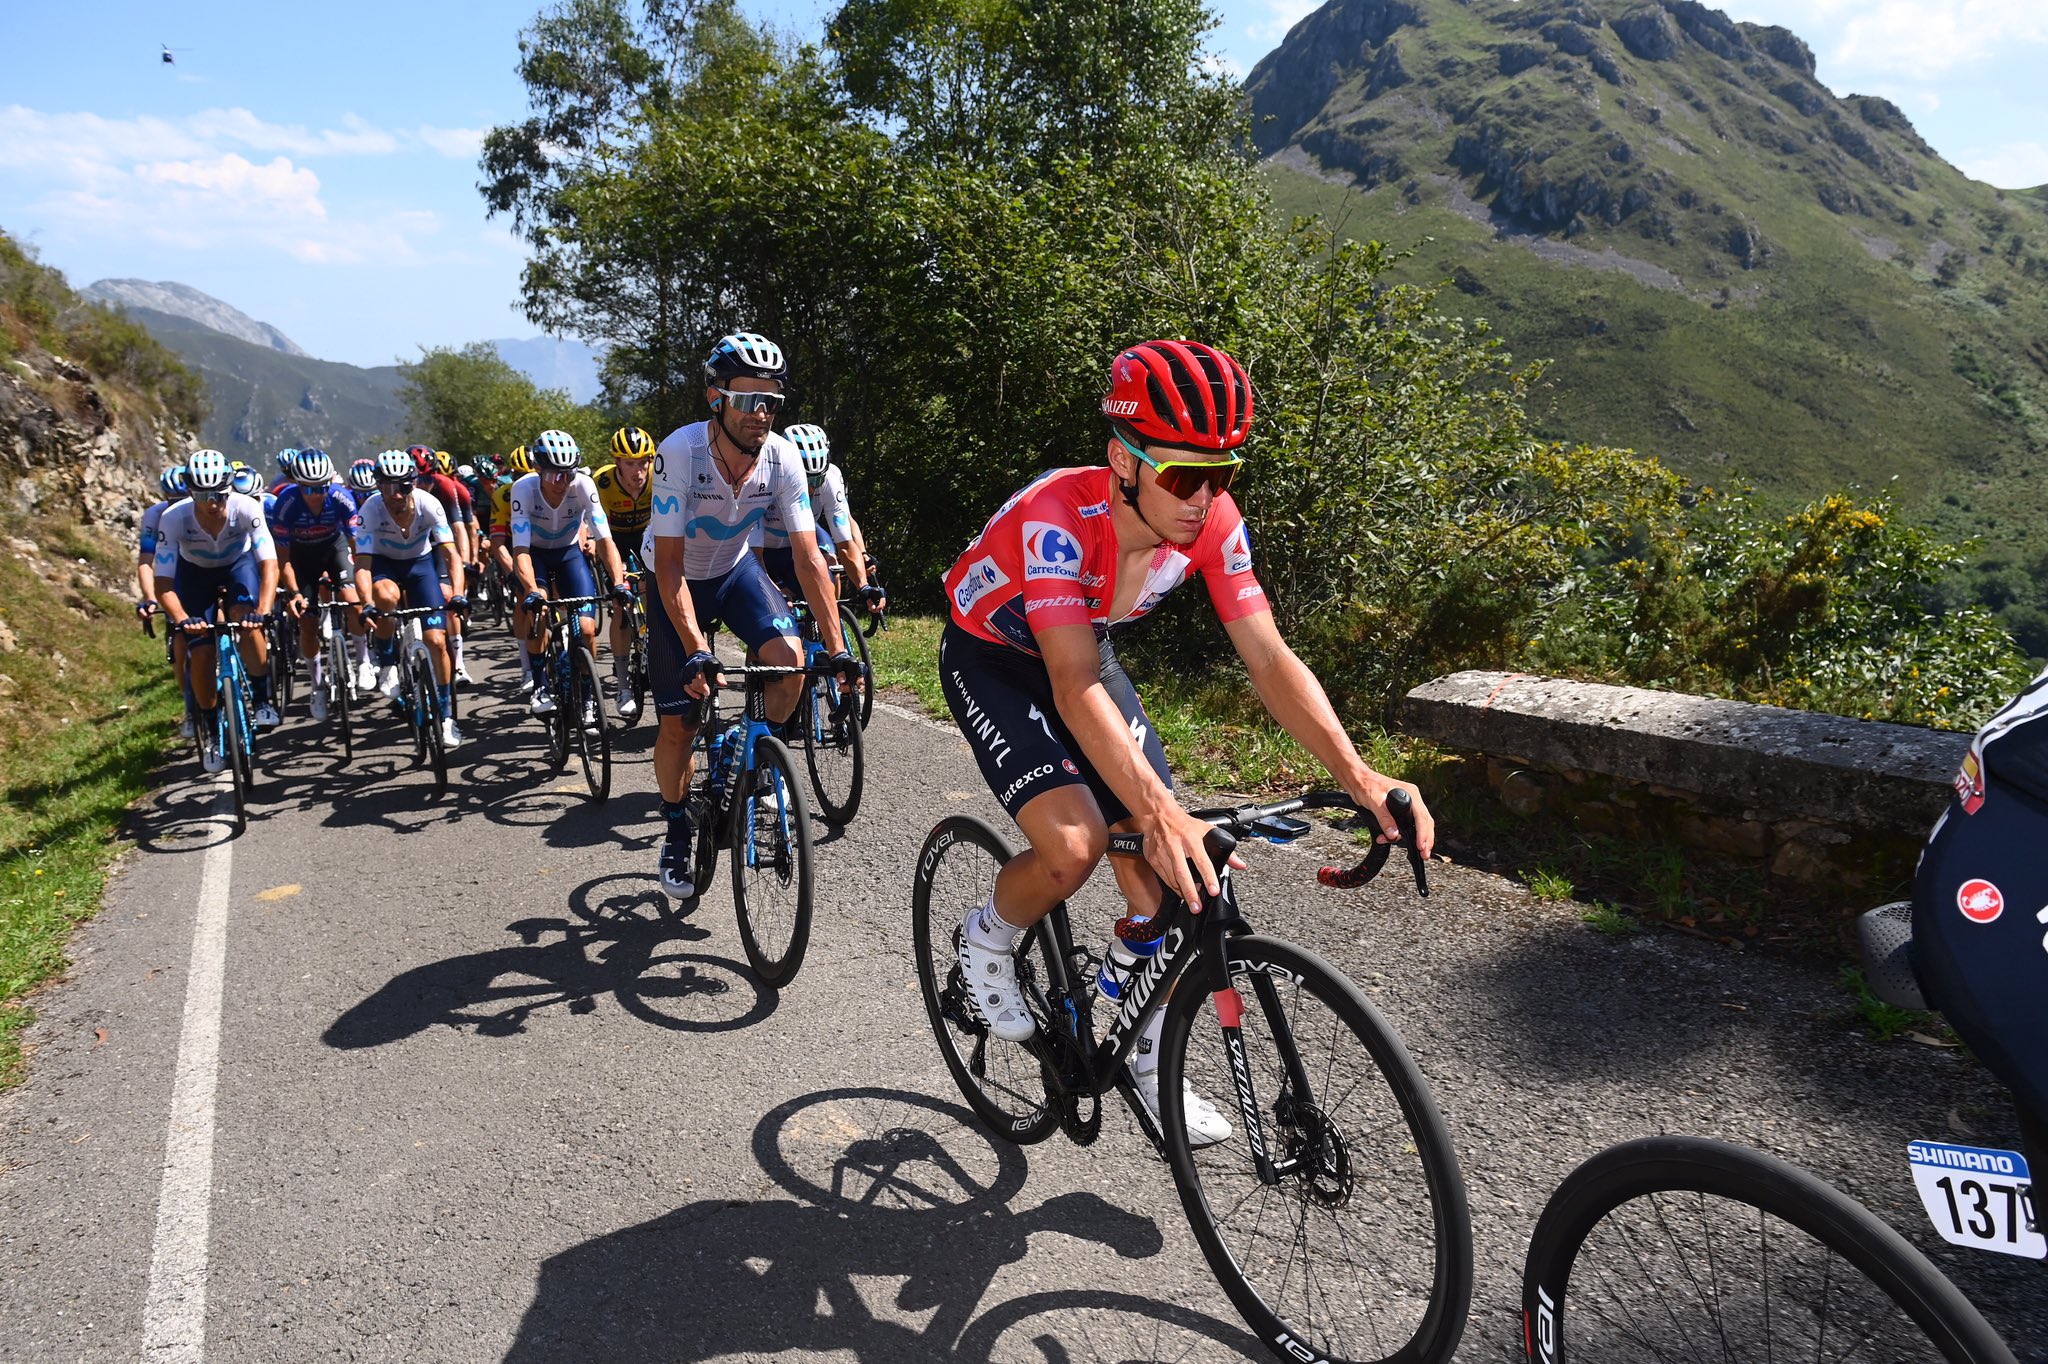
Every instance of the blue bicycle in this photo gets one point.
(233, 735)
(747, 800)
(829, 717)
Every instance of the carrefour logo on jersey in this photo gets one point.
(982, 578)
(1237, 551)
(1050, 552)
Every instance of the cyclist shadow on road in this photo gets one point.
(621, 944)
(187, 813)
(887, 1185)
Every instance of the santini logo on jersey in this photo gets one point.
(1237, 551)
(982, 578)
(1049, 552)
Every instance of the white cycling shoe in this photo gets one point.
(211, 758)
(462, 672)
(627, 707)
(450, 735)
(366, 677)
(186, 729)
(266, 717)
(543, 701)
(1206, 1124)
(387, 682)
(317, 703)
(991, 981)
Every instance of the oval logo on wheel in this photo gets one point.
(1980, 901)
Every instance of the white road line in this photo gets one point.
(915, 717)
(174, 1314)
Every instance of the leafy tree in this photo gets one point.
(471, 402)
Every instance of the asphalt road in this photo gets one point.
(480, 1095)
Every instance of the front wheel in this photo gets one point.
(584, 709)
(1656, 1245)
(832, 750)
(771, 865)
(857, 645)
(339, 692)
(1356, 1244)
(1003, 1083)
(427, 715)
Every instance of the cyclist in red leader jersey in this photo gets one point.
(1053, 720)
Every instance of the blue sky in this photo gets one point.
(317, 169)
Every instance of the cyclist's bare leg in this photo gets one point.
(1068, 837)
(437, 649)
(782, 692)
(673, 747)
(199, 670)
(384, 596)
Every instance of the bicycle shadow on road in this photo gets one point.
(621, 944)
(887, 1185)
(189, 812)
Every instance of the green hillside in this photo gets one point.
(1731, 268)
(265, 400)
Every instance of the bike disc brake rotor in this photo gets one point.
(1317, 1152)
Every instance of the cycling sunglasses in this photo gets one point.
(1183, 478)
(771, 403)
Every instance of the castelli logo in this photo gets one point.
(1980, 901)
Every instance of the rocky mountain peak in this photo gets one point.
(182, 300)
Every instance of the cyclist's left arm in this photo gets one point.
(1295, 698)
(811, 573)
(265, 549)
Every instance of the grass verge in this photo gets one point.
(86, 706)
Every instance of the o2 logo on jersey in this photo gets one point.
(1237, 551)
(982, 577)
(1050, 552)
(1980, 901)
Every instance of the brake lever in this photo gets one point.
(1403, 810)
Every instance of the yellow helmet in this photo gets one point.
(444, 462)
(630, 442)
(520, 462)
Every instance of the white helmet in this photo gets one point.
(810, 442)
(555, 450)
(208, 472)
(395, 466)
(362, 475)
(313, 468)
(745, 355)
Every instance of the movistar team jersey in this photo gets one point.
(378, 531)
(151, 519)
(716, 521)
(294, 522)
(540, 524)
(180, 536)
(628, 514)
(1049, 557)
(829, 510)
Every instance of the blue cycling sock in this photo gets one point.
(260, 686)
(387, 652)
(441, 692)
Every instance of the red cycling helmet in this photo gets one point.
(1181, 393)
(422, 458)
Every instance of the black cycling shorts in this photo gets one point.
(1002, 700)
(312, 559)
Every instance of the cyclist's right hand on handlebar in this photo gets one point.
(1174, 847)
(146, 608)
(533, 601)
(698, 672)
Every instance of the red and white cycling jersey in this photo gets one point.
(1048, 557)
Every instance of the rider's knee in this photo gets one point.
(1070, 854)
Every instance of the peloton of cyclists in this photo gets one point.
(713, 483)
(1028, 668)
(455, 502)
(215, 550)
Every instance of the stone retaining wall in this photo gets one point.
(1816, 799)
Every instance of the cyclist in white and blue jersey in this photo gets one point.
(215, 551)
(172, 482)
(550, 509)
(714, 482)
(399, 533)
(838, 533)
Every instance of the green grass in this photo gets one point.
(1547, 885)
(1883, 1021)
(1605, 918)
(77, 746)
(906, 658)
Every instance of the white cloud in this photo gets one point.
(1281, 15)
(2016, 165)
(1924, 38)
(457, 144)
(187, 183)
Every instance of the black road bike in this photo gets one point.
(577, 723)
(1334, 1215)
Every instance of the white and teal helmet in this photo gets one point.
(555, 450)
(811, 442)
(395, 466)
(208, 471)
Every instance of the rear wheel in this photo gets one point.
(552, 675)
(228, 736)
(1002, 1082)
(284, 651)
(585, 716)
(1677, 1247)
(771, 865)
(832, 750)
